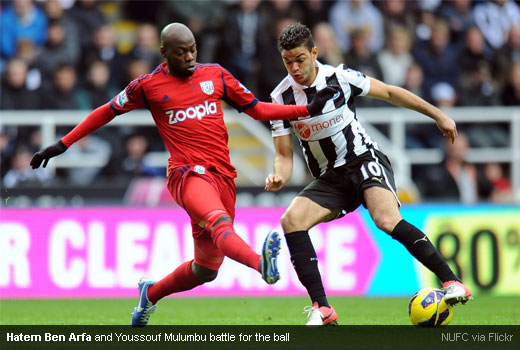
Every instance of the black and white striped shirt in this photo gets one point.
(335, 137)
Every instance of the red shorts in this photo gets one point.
(198, 198)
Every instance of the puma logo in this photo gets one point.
(378, 179)
(421, 239)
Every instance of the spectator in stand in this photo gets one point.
(104, 48)
(315, 11)
(396, 59)
(56, 51)
(21, 174)
(271, 68)
(504, 58)
(455, 179)
(424, 27)
(203, 17)
(495, 18)
(274, 16)
(27, 52)
(6, 150)
(272, 11)
(63, 92)
(146, 45)
(34, 141)
(459, 16)
(414, 79)
(136, 68)
(416, 135)
(478, 88)
(476, 84)
(22, 20)
(349, 16)
(398, 13)
(437, 58)
(511, 93)
(131, 163)
(325, 40)
(474, 53)
(55, 12)
(361, 59)
(14, 94)
(239, 43)
(97, 90)
(502, 192)
(88, 18)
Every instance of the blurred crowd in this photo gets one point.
(77, 54)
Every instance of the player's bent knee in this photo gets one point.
(380, 222)
(289, 221)
(385, 223)
(202, 273)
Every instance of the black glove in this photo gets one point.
(47, 153)
(321, 97)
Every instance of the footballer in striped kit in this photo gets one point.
(347, 166)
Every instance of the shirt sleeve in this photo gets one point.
(132, 97)
(96, 119)
(279, 127)
(359, 82)
(236, 94)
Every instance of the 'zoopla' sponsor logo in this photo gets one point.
(198, 111)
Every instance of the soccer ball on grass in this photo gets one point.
(427, 308)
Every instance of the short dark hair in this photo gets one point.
(295, 35)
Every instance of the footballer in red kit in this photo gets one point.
(188, 113)
(184, 99)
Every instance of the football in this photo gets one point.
(427, 308)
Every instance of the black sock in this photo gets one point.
(423, 250)
(305, 262)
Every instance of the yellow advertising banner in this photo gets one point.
(483, 249)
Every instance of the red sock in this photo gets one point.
(229, 243)
(179, 280)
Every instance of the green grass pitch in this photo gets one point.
(484, 310)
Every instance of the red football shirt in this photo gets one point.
(188, 113)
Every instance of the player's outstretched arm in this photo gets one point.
(283, 163)
(99, 117)
(271, 111)
(404, 98)
(96, 119)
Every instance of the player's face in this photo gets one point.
(181, 58)
(299, 63)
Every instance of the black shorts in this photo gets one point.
(341, 189)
